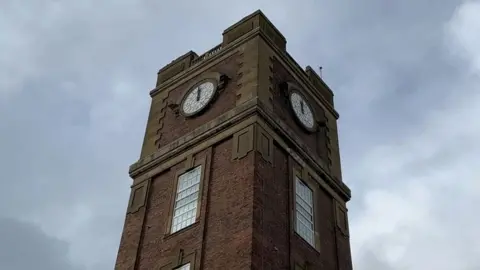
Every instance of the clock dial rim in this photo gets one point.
(297, 117)
(187, 94)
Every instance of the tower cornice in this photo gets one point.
(307, 79)
(223, 127)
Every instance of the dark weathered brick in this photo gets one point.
(247, 201)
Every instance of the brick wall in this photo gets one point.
(281, 106)
(246, 206)
(273, 227)
(163, 126)
(222, 238)
(174, 127)
(228, 238)
(271, 213)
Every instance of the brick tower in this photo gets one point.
(240, 165)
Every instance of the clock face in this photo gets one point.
(302, 110)
(198, 98)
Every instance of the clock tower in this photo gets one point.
(240, 164)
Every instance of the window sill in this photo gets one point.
(170, 235)
(317, 250)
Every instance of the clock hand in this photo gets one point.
(199, 91)
(301, 107)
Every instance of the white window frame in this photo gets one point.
(304, 211)
(183, 267)
(186, 199)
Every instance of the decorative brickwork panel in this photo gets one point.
(341, 219)
(134, 227)
(264, 144)
(138, 196)
(182, 259)
(243, 142)
(343, 239)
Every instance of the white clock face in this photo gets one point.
(198, 98)
(302, 110)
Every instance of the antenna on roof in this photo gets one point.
(320, 68)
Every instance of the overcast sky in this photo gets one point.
(74, 84)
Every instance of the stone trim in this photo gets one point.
(180, 259)
(272, 32)
(301, 77)
(138, 196)
(139, 243)
(204, 208)
(199, 68)
(167, 161)
(163, 109)
(191, 139)
(298, 267)
(190, 163)
(304, 175)
(147, 140)
(175, 67)
(238, 31)
(319, 84)
(243, 73)
(207, 54)
(341, 218)
(289, 63)
(218, 130)
(264, 144)
(265, 74)
(254, 71)
(254, 20)
(243, 142)
(328, 134)
(301, 266)
(279, 131)
(291, 209)
(324, 146)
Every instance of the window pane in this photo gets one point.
(184, 267)
(304, 211)
(186, 200)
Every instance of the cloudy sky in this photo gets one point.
(74, 83)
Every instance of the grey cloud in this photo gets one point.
(25, 246)
(74, 82)
(369, 260)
